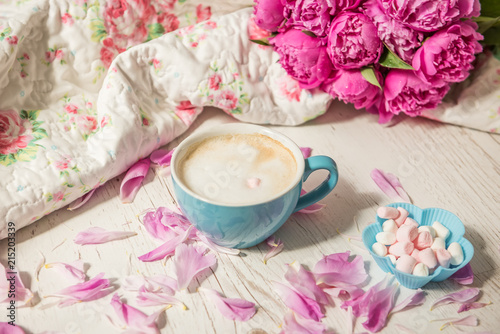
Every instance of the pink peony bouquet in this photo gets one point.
(387, 56)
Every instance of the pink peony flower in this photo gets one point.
(447, 55)
(353, 41)
(351, 87)
(303, 57)
(407, 93)
(343, 4)
(430, 15)
(400, 39)
(268, 14)
(310, 15)
(15, 133)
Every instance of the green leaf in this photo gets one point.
(24, 114)
(490, 8)
(155, 30)
(484, 23)
(369, 74)
(33, 114)
(261, 41)
(309, 33)
(391, 60)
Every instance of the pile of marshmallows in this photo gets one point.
(414, 249)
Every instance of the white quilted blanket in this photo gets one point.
(89, 87)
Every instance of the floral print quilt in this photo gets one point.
(89, 87)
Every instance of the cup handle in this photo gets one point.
(312, 164)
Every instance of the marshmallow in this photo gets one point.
(427, 257)
(429, 229)
(406, 263)
(423, 240)
(390, 226)
(438, 243)
(457, 253)
(387, 212)
(401, 247)
(415, 254)
(406, 233)
(402, 216)
(379, 249)
(420, 269)
(410, 221)
(441, 230)
(386, 238)
(443, 257)
(392, 258)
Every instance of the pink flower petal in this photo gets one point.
(81, 201)
(7, 276)
(159, 283)
(189, 261)
(145, 298)
(389, 184)
(231, 308)
(276, 248)
(342, 288)
(299, 303)
(415, 299)
(133, 179)
(161, 157)
(98, 235)
(470, 306)
(163, 224)
(304, 282)
(306, 152)
(92, 289)
(167, 249)
(216, 248)
(134, 320)
(462, 296)
(336, 268)
(294, 323)
(470, 320)
(311, 208)
(73, 271)
(6, 328)
(464, 275)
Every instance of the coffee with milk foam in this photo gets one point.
(237, 168)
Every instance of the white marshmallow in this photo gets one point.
(420, 269)
(386, 238)
(441, 230)
(457, 253)
(387, 212)
(429, 229)
(390, 226)
(438, 243)
(379, 249)
(392, 258)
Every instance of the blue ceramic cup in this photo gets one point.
(246, 225)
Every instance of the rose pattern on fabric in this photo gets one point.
(187, 111)
(195, 34)
(80, 115)
(54, 54)
(23, 63)
(289, 88)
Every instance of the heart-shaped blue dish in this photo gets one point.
(423, 217)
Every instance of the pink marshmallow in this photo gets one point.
(415, 254)
(406, 233)
(423, 240)
(402, 216)
(411, 221)
(406, 263)
(427, 257)
(443, 257)
(401, 247)
(387, 212)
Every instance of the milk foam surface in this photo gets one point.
(219, 168)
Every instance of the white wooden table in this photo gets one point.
(439, 165)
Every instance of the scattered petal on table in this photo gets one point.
(159, 283)
(133, 180)
(81, 201)
(98, 235)
(167, 249)
(190, 261)
(306, 152)
(231, 308)
(470, 306)
(470, 320)
(336, 268)
(146, 298)
(298, 302)
(92, 289)
(311, 208)
(216, 248)
(73, 271)
(339, 289)
(294, 323)
(389, 184)
(164, 224)
(132, 319)
(415, 299)
(39, 265)
(462, 296)
(304, 282)
(162, 157)
(464, 275)
(276, 248)
(6, 328)
(7, 276)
